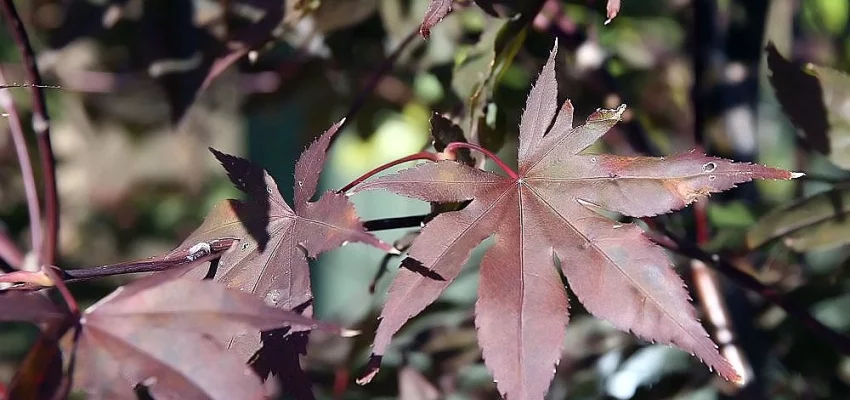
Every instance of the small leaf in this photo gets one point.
(814, 98)
(270, 259)
(444, 132)
(437, 10)
(815, 223)
(611, 10)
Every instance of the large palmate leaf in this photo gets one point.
(270, 259)
(169, 333)
(547, 211)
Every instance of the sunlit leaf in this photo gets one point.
(547, 210)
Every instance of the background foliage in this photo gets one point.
(135, 114)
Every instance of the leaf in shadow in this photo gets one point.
(801, 98)
(169, 334)
(814, 223)
(444, 132)
(40, 375)
(280, 356)
(253, 180)
(279, 272)
(174, 46)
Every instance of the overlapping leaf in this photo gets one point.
(437, 10)
(813, 97)
(169, 333)
(818, 222)
(546, 211)
(275, 241)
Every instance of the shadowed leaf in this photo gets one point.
(169, 334)
(801, 98)
(547, 210)
(818, 222)
(813, 98)
(278, 272)
(29, 307)
(40, 374)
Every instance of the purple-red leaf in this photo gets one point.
(612, 9)
(270, 259)
(170, 335)
(437, 10)
(547, 210)
(29, 307)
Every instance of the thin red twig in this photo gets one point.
(505, 167)
(9, 252)
(28, 176)
(41, 126)
(17, 130)
(422, 155)
(669, 241)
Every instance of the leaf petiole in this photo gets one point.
(422, 155)
(450, 148)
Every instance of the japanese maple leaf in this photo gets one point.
(544, 212)
(271, 258)
(169, 333)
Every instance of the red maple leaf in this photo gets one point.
(270, 259)
(546, 212)
(168, 333)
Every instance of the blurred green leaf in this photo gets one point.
(818, 222)
(477, 75)
(731, 215)
(833, 312)
(828, 16)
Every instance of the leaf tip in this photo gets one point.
(372, 369)
(795, 175)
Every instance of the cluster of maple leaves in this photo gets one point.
(233, 304)
(182, 336)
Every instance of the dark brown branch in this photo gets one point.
(41, 126)
(376, 77)
(385, 224)
(837, 340)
